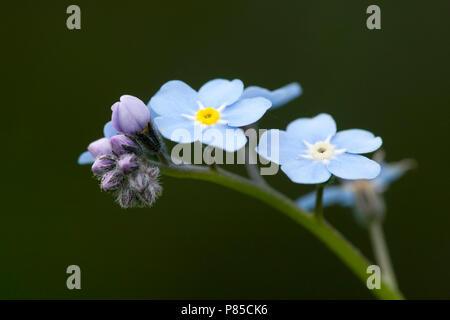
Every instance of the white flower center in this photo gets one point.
(322, 151)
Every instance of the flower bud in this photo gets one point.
(100, 147)
(103, 164)
(128, 163)
(146, 185)
(121, 144)
(127, 198)
(130, 115)
(112, 180)
(140, 181)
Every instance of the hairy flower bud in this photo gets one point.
(103, 164)
(112, 180)
(128, 163)
(130, 115)
(122, 144)
(100, 147)
(126, 197)
(146, 185)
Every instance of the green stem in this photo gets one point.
(381, 252)
(325, 232)
(318, 210)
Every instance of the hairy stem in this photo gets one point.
(382, 252)
(323, 231)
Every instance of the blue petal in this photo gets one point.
(153, 114)
(178, 129)
(277, 146)
(218, 92)
(246, 111)
(356, 141)
(306, 171)
(224, 137)
(391, 172)
(278, 97)
(86, 158)
(331, 195)
(353, 167)
(175, 98)
(109, 130)
(312, 129)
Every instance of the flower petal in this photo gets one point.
(353, 167)
(218, 92)
(331, 195)
(246, 111)
(391, 172)
(174, 98)
(224, 137)
(86, 158)
(312, 129)
(277, 146)
(153, 114)
(109, 130)
(356, 141)
(278, 97)
(177, 129)
(306, 171)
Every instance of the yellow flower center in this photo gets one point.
(208, 116)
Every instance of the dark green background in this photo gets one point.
(201, 240)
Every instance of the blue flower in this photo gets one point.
(310, 150)
(212, 115)
(346, 194)
(87, 157)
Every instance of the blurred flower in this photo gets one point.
(365, 196)
(278, 97)
(216, 110)
(310, 150)
(130, 115)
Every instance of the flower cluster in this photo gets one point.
(118, 158)
(309, 151)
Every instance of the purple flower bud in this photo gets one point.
(100, 147)
(127, 198)
(130, 115)
(103, 164)
(146, 185)
(112, 180)
(128, 163)
(140, 181)
(122, 144)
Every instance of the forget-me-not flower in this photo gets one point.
(310, 150)
(346, 193)
(212, 115)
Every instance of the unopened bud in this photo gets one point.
(128, 163)
(122, 144)
(103, 164)
(112, 180)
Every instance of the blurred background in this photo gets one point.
(201, 240)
